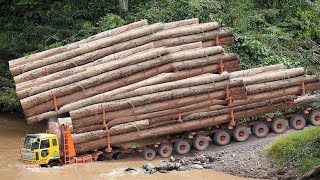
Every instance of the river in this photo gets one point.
(13, 128)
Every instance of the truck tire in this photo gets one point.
(279, 125)
(149, 154)
(201, 143)
(182, 147)
(165, 150)
(53, 163)
(314, 118)
(260, 130)
(221, 138)
(241, 133)
(297, 122)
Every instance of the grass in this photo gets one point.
(297, 150)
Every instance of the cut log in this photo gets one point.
(193, 38)
(185, 31)
(176, 24)
(176, 128)
(129, 127)
(112, 75)
(97, 70)
(145, 109)
(280, 84)
(113, 85)
(307, 100)
(77, 69)
(79, 60)
(175, 112)
(268, 77)
(51, 52)
(254, 71)
(88, 47)
(150, 98)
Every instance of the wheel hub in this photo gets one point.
(241, 133)
(165, 151)
(222, 138)
(298, 122)
(149, 155)
(201, 143)
(261, 130)
(279, 126)
(317, 118)
(183, 147)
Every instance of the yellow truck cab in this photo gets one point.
(42, 149)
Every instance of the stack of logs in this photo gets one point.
(143, 81)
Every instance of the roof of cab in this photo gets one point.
(42, 135)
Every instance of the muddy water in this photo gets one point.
(13, 128)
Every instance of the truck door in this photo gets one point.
(45, 151)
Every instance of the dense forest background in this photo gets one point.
(267, 31)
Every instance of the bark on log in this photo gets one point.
(73, 62)
(281, 84)
(307, 100)
(88, 47)
(119, 83)
(185, 31)
(77, 69)
(129, 127)
(269, 77)
(96, 119)
(175, 111)
(176, 128)
(295, 90)
(176, 24)
(193, 38)
(96, 70)
(38, 56)
(270, 102)
(150, 98)
(254, 71)
(112, 75)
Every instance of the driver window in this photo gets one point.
(44, 144)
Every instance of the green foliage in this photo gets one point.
(298, 150)
(267, 31)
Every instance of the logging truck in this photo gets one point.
(49, 150)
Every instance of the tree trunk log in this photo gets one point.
(271, 76)
(38, 56)
(176, 24)
(145, 109)
(193, 38)
(230, 66)
(229, 40)
(254, 71)
(88, 47)
(280, 84)
(77, 69)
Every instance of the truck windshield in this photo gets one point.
(31, 143)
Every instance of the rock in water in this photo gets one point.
(196, 166)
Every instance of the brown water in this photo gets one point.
(13, 128)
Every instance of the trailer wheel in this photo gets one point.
(314, 118)
(149, 154)
(221, 138)
(260, 130)
(241, 133)
(182, 147)
(201, 143)
(165, 150)
(279, 125)
(297, 122)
